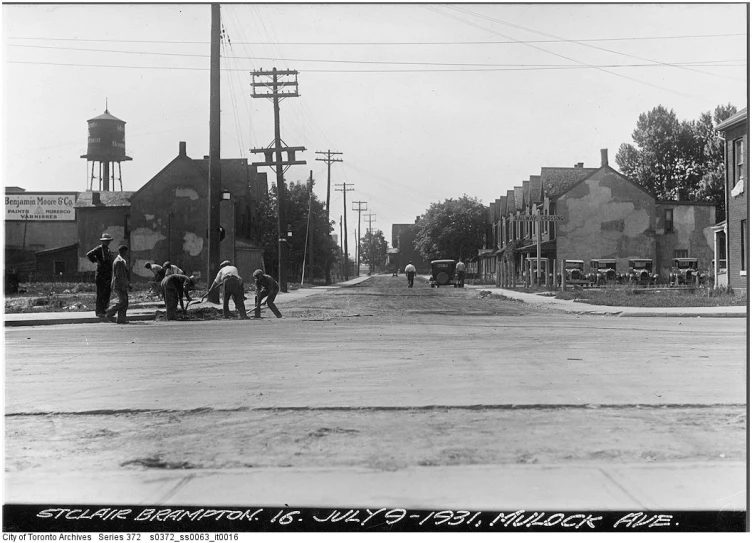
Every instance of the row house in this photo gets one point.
(602, 214)
(731, 241)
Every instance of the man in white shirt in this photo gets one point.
(232, 286)
(410, 272)
(169, 269)
(460, 273)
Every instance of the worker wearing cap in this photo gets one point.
(410, 272)
(266, 287)
(174, 287)
(232, 287)
(121, 282)
(103, 258)
(169, 269)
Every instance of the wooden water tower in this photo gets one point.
(105, 149)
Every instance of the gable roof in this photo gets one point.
(510, 202)
(525, 194)
(736, 118)
(502, 206)
(557, 181)
(518, 198)
(536, 189)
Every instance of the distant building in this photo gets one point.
(602, 214)
(735, 131)
(403, 239)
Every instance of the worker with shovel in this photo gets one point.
(232, 286)
(174, 287)
(266, 287)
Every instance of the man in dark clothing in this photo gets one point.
(266, 287)
(176, 286)
(103, 258)
(121, 283)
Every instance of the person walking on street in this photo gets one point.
(103, 258)
(174, 287)
(232, 286)
(410, 272)
(266, 287)
(460, 274)
(121, 283)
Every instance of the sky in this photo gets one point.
(425, 101)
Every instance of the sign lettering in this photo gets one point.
(40, 207)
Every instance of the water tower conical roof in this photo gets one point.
(106, 117)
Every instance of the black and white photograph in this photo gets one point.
(374, 267)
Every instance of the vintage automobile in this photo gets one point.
(575, 272)
(602, 271)
(641, 272)
(442, 273)
(684, 271)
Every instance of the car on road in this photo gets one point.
(641, 272)
(684, 271)
(442, 273)
(575, 272)
(602, 271)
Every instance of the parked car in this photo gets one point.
(641, 272)
(602, 271)
(442, 273)
(575, 272)
(684, 271)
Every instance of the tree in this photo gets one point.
(325, 250)
(451, 229)
(373, 248)
(677, 160)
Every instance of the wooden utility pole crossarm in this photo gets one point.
(274, 83)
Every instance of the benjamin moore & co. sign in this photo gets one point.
(40, 207)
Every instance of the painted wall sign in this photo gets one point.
(531, 218)
(40, 207)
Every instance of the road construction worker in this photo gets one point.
(266, 287)
(232, 287)
(410, 272)
(460, 273)
(169, 269)
(159, 274)
(121, 283)
(103, 258)
(174, 287)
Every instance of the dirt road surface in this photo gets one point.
(375, 376)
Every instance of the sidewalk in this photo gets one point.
(711, 486)
(581, 308)
(147, 311)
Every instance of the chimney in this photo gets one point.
(182, 149)
(579, 165)
(417, 219)
(604, 157)
(96, 198)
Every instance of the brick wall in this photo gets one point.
(737, 211)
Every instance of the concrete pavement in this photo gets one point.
(637, 487)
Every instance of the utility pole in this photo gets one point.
(309, 235)
(328, 160)
(344, 191)
(214, 196)
(274, 85)
(341, 269)
(362, 206)
(370, 217)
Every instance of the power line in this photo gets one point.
(370, 43)
(427, 70)
(397, 63)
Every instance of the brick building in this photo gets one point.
(602, 215)
(735, 132)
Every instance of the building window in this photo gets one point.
(681, 253)
(669, 220)
(738, 160)
(745, 246)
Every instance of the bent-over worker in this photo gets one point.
(266, 287)
(176, 286)
(232, 286)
